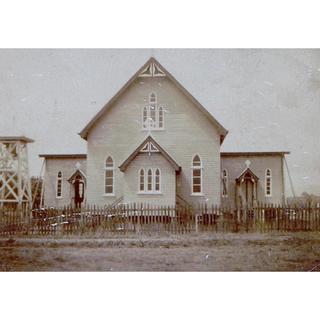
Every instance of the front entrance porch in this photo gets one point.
(246, 192)
(78, 186)
(150, 175)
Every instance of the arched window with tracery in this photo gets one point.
(141, 180)
(145, 117)
(59, 185)
(161, 118)
(224, 183)
(149, 184)
(196, 170)
(152, 114)
(153, 109)
(109, 176)
(157, 180)
(268, 183)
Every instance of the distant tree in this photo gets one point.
(310, 199)
(36, 186)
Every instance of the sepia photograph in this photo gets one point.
(159, 160)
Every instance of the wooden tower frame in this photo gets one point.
(15, 185)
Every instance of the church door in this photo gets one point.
(78, 191)
(248, 192)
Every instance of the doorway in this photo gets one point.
(78, 186)
(248, 190)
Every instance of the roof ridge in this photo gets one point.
(222, 131)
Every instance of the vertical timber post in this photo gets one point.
(14, 172)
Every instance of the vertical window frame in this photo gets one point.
(160, 117)
(268, 179)
(156, 113)
(155, 180)
(157, 177)
(59, 183)
(145, 116)
(153, 109)
(106, 170)
(193, 169)
(149, 183)
(225, 181)
(143, 176)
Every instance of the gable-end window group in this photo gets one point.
(149, 180)
(268, 183)
(59, 185)
(224, 183)
(152, 114)
(109, 177)
(196, 172)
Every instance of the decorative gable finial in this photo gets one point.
(152, 70)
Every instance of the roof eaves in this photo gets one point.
(84, 132)
(222, 131)
(255, 153)
(131, 157)
(62, 156)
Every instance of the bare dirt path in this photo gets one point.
(205, 252)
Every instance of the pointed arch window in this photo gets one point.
(160, 117)
(157, 180)
(145, 117)
(149, 184)
(152, 115)
(268, 183)
(224, 183)
(153, 109)
(141, 179)
(196, 170)
(149, 181)
(109, 176)
(59, 185)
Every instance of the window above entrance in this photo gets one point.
(152, 114)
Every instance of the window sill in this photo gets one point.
(150, 193)
(59, 198)
(268, 195)
(108, 195)
(197, 194)
(154, 129)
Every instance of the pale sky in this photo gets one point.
(269, 100)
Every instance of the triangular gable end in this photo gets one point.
(247, 172)
(149, 145)
(75, 174)
(152, 68)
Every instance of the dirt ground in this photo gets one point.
(205, 252)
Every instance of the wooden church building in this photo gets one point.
(153, 142)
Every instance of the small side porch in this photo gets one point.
(246, 189)
(78, 182)
(150, 175)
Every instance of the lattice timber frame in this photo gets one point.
(15, 186)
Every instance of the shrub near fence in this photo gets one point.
(144, 218)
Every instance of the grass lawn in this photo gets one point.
(191, 252)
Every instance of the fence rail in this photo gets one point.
(144, 218)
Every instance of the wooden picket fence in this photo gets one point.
(144, 218)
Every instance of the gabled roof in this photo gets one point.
(245, 172)
(253, 153)
(16, 138)
(63, 156)
(155, 147)
(152, 68)
(77, 172)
